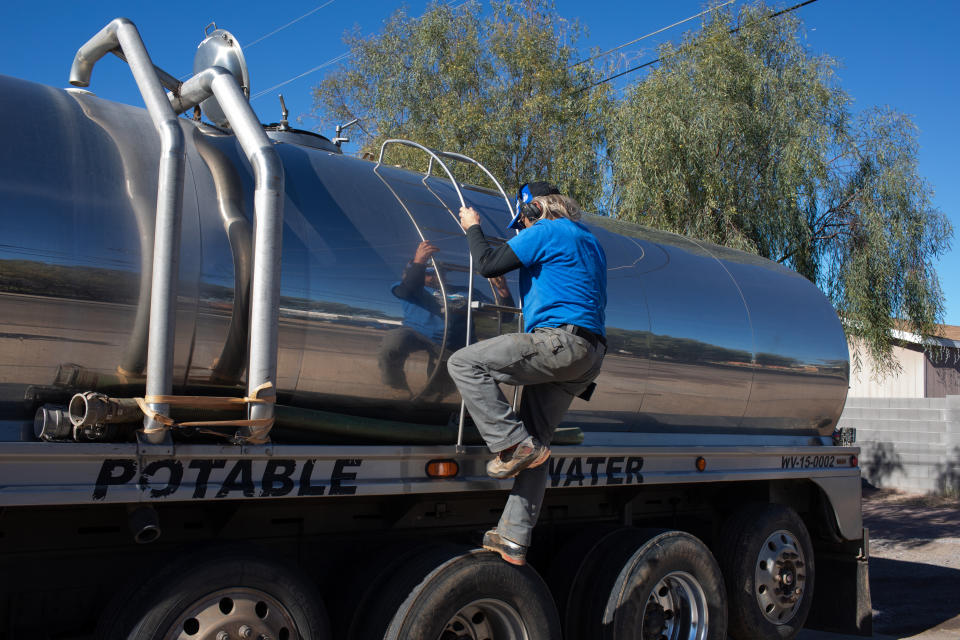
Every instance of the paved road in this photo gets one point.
(914, 568)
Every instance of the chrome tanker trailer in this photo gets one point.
(137, 270)
(702, 339)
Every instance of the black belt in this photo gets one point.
(586, 334)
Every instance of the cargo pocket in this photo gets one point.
(565, 354)
(532, 345)
(503, 352)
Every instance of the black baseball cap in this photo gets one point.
(528, 192)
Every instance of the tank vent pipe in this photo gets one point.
(267, 231)
(122, 33)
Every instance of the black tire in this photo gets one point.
(371, 613)
(227, 589)
(748, 540)
(650, 584)
(573, 557)
(470, 593)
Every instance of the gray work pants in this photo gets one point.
(554, 366)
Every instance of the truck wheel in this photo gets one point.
(204, 596)
(648, 584)
(351, 598)
(767, 560)
(577, 553)
(446, 593)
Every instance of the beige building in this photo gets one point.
(932, 372)
(908, 423)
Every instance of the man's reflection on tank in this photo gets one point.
(423, 325)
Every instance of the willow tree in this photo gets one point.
(742, 137)
(499, 88)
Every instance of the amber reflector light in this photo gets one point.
(442, 468)
(701, 463)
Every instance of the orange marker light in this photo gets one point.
(442, 469)
(701, 463)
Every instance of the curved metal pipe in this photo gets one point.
(459, 157)
(456, 187)
(123, 33)
(433, 156)
(267, 229)
(468, 160)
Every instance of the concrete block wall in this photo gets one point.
(911, 444)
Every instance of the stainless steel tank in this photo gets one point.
(702, 339)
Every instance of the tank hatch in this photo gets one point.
(300, 137)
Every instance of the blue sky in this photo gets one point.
(892, 53)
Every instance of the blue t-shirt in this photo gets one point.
(564, 275)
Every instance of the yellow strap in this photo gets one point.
(260, 426)
(165, 421)
(260, 434)
(256, 392)
(206, 402)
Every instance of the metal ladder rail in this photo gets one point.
(477, 304)
(468, 160)
(518, 309)
(434, 156)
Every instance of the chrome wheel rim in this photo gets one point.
(485, 619)
(236, 613)
(676, 609)
(780, 576)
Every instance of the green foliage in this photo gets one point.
(744, 138)
(741, 137)
(498, 89)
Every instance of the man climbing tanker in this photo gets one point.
(198, 438)
(563, 285)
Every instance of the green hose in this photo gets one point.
(303, 425)
(296, 424)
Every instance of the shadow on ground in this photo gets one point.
(910, 597)
(911, 521)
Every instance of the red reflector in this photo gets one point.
(853, 461)
(442, 468)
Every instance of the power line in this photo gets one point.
(292, 22)
(275, 31)
(653, 33)
(647, 64)
(333, 60)
(305, 73)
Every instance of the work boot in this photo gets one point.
(510, 551)
(528, 454)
